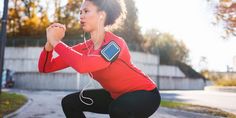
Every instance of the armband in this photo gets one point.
(111, 51)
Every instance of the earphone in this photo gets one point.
(90, 81)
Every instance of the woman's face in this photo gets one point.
(89, 16)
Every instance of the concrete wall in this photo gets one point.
(24, 62)
(181, 83)
(54, 81)
(170, 71)
(172, 78)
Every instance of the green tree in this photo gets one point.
(57, 12)
(26, 18)
(70, 17)
(165, 44)
(151, 38)
(130, 29)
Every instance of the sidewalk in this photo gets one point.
(47, 104)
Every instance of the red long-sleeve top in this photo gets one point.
(117, 77)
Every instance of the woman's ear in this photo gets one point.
(102, 15)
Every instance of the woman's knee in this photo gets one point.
(68, 101)
(65, 101)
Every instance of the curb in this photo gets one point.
(10, 115)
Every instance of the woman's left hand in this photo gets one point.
(55, 33)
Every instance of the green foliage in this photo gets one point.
(69, 15)
(225, 82)
(130, 30)
(10, 102)
(171, 50)
(222, 79)
(164, 44)
(27, 19)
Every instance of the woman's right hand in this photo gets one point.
(48, 46)
(55, 33)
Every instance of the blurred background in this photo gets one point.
(182, 45)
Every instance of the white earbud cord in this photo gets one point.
(90, 80)
(82, 96)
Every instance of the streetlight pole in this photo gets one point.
(3, 40)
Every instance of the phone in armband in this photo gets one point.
(111, 51)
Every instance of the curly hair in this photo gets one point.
(115, 11)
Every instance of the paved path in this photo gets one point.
(222, 100)
(47, 104)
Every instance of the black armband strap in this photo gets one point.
(111, 51)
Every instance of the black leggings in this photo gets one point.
(137, 104)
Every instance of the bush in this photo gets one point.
(225, 82)
(222, 79)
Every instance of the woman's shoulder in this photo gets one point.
(113, 37)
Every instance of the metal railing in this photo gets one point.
(41, 42)
(33, 42)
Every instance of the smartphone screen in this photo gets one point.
(110, 51)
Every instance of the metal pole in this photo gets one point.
(3, 40)
(158, 65)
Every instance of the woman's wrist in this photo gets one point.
(48, 47)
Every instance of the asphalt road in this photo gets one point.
(221, 100)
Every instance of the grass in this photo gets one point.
(225, 82)
(9, 102)
(196, 108)
(221, 79)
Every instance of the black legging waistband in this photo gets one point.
(154, 90)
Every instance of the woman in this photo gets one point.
(127, 93)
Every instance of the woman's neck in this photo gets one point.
(97, 37)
